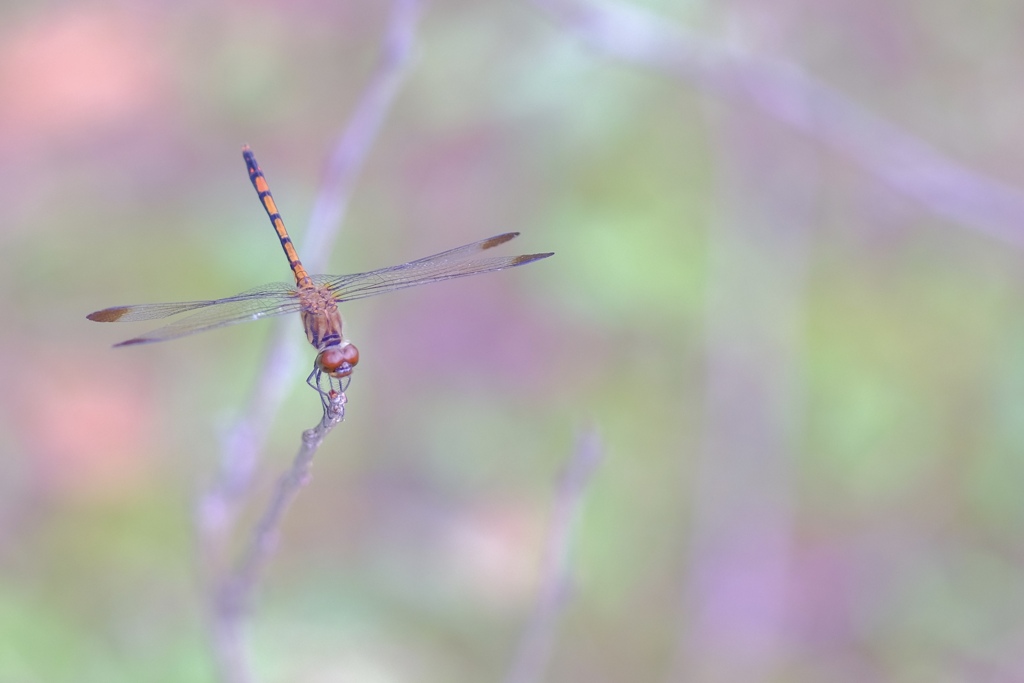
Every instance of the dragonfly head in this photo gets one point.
(339, 360)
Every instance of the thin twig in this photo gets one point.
(903, 162)
(219, 507)
(238, 586)
(232, 597)
(535, 647)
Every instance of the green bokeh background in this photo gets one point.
(894, 368)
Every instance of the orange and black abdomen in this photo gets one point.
(263, 190)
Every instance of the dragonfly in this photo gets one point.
(314, 297)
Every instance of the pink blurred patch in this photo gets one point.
(78, 68)
(87, 433)
(494, 552)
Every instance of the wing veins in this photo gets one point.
(415, 273)
(269, 293)
(260, 302)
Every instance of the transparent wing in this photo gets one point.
(447, 265)
(277, 298)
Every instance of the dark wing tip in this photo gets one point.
(498, 239)
(132, 342)
(530, 258)
(108, 315)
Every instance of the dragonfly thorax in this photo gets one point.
(338, 360)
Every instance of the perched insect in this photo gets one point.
(314, 297)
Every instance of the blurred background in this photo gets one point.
(787, 296)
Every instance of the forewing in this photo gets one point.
(447, 265)
(468, 250)
(268, 300)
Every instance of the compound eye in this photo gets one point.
(338, 361)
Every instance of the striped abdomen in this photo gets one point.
(263, 190)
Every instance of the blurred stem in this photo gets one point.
(737, 590)
(535, 647)
(781, 90)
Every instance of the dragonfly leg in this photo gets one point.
(333, 396)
